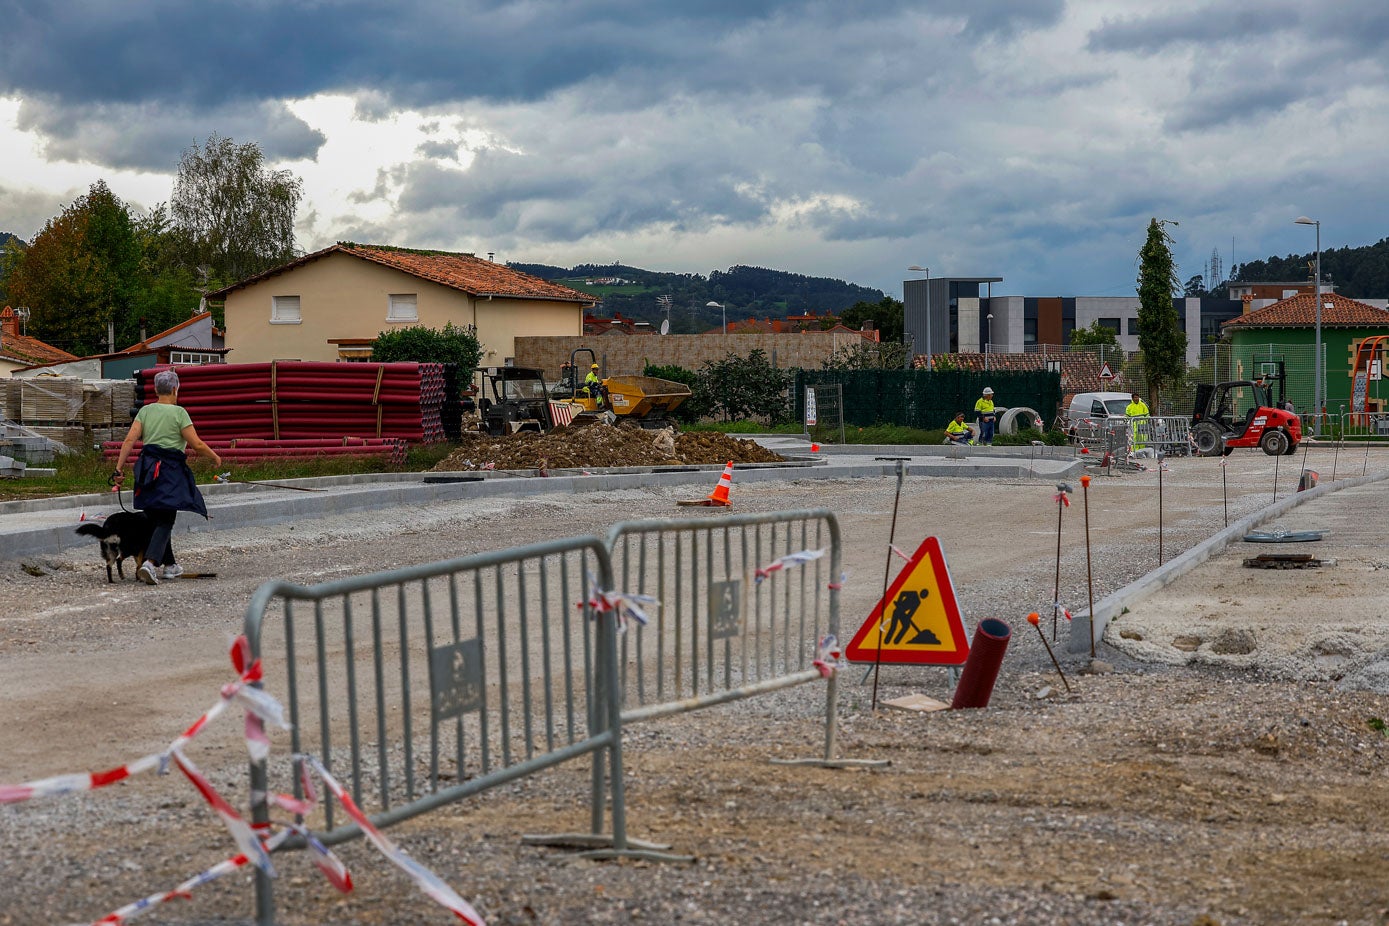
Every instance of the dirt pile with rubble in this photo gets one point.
(600, 445)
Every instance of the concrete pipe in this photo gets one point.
(981, 665)
(1018, 419)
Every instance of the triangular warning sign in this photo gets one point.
(918, 621)
(1105, 372)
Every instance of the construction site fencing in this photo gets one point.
(747, 599)
(1366, 426)
(928, 399)
(1122, 438)
(421, 686)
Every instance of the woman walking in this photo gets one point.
(164, 484)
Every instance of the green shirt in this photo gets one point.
(162, 425)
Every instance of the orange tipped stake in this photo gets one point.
(1036, 621)
(1089, 569)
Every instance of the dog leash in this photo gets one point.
(115, 485)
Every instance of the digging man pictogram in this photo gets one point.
(903, 607)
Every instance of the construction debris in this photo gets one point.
(600, 445)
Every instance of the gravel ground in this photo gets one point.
(1152, 794)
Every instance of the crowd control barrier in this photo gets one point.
(421, 686)
(425, 685)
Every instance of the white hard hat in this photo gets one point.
(988, 391)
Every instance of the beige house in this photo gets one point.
(331, 304)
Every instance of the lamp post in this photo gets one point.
(988, 338)
(1317, 395)
(926, 270)
(722, 308)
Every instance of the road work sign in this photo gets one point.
(918, 621)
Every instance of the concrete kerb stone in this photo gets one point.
(46, 526)
(1111, 607)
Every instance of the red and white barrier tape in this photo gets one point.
(625, 604)
(798, 558)
(827, 655)
(426, 880)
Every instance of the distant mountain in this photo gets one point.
(6, 236)
(745, 292)
(1359, 273)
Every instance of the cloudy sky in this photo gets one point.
(1027, 139)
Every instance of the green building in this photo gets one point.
(1286, 331)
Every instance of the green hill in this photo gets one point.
(1358, 273)
(754, 292)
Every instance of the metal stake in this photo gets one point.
(1035, 621)
(1089, 572)
(887, 570)
(1062, 489)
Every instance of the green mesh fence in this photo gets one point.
(929, 398)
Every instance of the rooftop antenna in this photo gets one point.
(22, 313)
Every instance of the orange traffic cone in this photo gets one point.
(719, 497)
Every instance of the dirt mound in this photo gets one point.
(599, 445)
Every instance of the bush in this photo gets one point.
(698, 405)
(748, 387)
(418, 344)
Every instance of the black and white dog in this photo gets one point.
(123, 534)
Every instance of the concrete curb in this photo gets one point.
(1111, 607)
(48, 526)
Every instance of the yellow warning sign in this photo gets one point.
(918, 621)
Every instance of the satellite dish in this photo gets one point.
(665, 326)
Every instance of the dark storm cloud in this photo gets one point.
(146, 137)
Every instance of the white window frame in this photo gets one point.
(286, 310)
(402, 307)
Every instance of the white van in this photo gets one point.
(1097, 406)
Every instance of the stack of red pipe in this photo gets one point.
(252, 449)
(293, 400)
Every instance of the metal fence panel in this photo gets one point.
(421, 686)
(727, 620)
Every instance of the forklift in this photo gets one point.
(1240, 413)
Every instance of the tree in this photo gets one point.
(889, 355)
(80, 273)
(233, 216)
(1196, 286)
(886, 315)
(747, 387)
(1161, 340)
(1096, 335)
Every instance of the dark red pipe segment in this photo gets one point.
(981, 665)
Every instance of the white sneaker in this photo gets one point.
(146, 574)
(171, 572)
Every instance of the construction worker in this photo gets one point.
(957, 432)
(1137, 409)
(593, 385)
(984, 411)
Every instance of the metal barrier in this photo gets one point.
(426, 685)
(1364, 426)
(747, 599)
(484, 658)
(1122, 438)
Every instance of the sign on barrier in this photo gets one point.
(923, 626)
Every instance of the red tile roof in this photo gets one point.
(24, 349)
(1300, 312)
(462, 272)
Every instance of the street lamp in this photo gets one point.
(988, 338)
(723, 308)
(926, 270)
(1317, 393)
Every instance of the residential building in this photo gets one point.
(18, 350)
(1286, 332)
(329, 304)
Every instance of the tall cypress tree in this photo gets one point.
(1161, 339)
